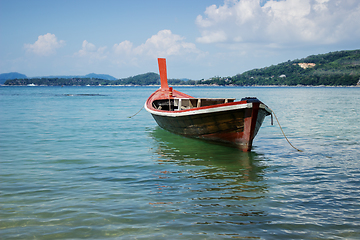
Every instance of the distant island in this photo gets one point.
(15, 75)
(12, 75)
(340, 68)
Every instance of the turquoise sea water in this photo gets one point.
(74, 166)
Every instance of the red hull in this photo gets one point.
(221, 120)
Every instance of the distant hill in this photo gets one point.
(90, 75)
(76, 81)
(15, 75)
(142, 79)
(12, 75)
(340, 68)
(100, 76)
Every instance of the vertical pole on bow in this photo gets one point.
(163, 74)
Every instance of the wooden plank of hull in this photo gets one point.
(235, 127)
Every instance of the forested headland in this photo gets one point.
(332, 69)
(340, 68)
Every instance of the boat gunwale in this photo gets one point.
(206, 109)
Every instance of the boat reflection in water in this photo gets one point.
(213, 158)
(223, 184)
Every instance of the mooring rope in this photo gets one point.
(137, 112)
(283, 131)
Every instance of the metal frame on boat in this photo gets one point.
(224, 120)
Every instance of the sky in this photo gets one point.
(200, 39)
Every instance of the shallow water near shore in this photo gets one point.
(73, 165)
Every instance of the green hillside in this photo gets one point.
(142, 79)
(332, 69)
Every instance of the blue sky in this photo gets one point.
(200, 39)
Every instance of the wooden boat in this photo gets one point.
(223, 120)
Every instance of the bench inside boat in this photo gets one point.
(178, 104)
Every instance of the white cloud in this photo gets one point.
(163, 44)
(213, 36)
(45, 45)
(281, 22)
(124, 47)
(90, 51)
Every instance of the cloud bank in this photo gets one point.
(163, 44)
(46, 45)
(126, 54)
(90, 51)
(284, 22)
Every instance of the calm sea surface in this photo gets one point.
(74, 166)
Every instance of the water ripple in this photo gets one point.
(77, 167)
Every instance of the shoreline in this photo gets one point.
(202, 85)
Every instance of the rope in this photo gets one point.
(284, 133)
(137, 112)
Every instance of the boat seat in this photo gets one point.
(188, 103)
